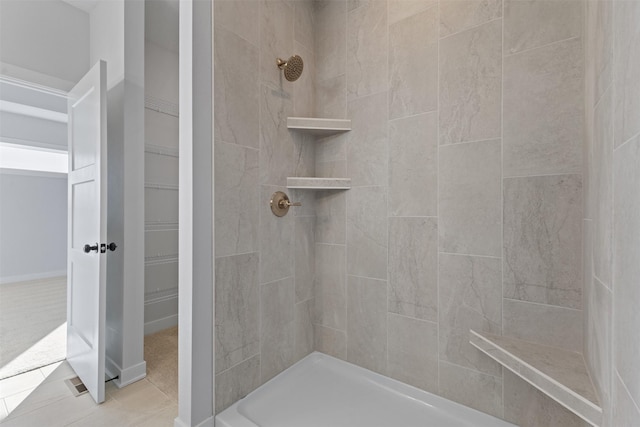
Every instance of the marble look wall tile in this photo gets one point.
(535, 23)
(367, 40)
(331, 223)
(626, 70)
(303, 320)
(331, 97)
(543, 110)
(603, 189)
(413, 65)
(277, 339)
(543, 239)
(479, 391)
(413, 352)
(367, 323)
(625, 410)
(470, 183)
(626, 268)
(236, 90)
(413, 267)
(330, 286)
(413, 166)
(236, 193)
(367, 147)
(276, 41)
(402, 9)
(282, 153)
(367, 232)
(331, 38)
(471, 84)
(305, 254)
(276, 240)
(330, 341)
(242, 17)
(235, 383)
(304, 88)
(602, 49)
(470, 297)
(598, 338)
(458, 15)
(544, 324)
(237, 306)
(525, 406)
(304, 24)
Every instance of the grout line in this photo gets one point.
(453, 144)
(469, 28)
(438, 182)
(542, 304)
(624, 385)
(238, 254)
(633, 138)
(542, 175)
(410, 116)
(366, 277)
(508, 55)
(502, 197)
(433, 322)
(469, 255)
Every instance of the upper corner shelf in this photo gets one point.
(558, 373)
(321, 127)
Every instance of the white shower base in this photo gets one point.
(321, 391)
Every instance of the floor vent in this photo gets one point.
(76, 385)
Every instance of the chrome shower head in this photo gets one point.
(292, 67)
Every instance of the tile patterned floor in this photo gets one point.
(41, 398)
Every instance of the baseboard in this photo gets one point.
(125, 376)
(209, 422)
(35, 276)
(160, 324)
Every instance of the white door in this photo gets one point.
(87, 203)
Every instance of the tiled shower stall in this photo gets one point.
(495, 160)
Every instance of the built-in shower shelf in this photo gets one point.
(320, 127)
(558, 373)
(312, 183)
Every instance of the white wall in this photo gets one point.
(44, 41)
(33, 226)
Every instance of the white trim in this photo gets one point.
(25, 172)
(124, 376)
(34, 80)
(31, 111)
(160, 324)
(209, 422)
(34, 276)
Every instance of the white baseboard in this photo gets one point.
(160, 324)
(125, 376)
(34, 276)
(209, 422)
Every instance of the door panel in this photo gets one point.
(87, 212)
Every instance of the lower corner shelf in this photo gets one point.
(312, 183)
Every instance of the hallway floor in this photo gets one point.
(41, 397)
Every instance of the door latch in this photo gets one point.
(102, 247)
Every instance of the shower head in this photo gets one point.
(292, 67)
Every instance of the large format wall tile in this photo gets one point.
(626, 70)
(544, 324)
(331, 97)
(625, 410)
(601, 20)
(330, 286)
(304, 88)
(543, 239)
(276, 240)
(304, 24)
(471, 84)
(367, 41)
(330, 39)
(413, 267)
(237, 382)
(330, 341)
(470, 297)
(236, 90)
(277, 333)
(402, 9)
(597, 336)
(367, 323)
(237, 307)
(305, 254)
(367, 232)
(544, 110)
(331, 211)
(458, 15)
(413, 65)
(626, 273)
(413, 166)
(535, 23)
(303, 320)
(413, 352)
(239, 16)
(236, 191)
(479, 391)
(603, 189)
(367, 147)
(276, 41)
(525, 406)
(470, 193)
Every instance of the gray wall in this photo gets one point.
(466, 206)
(262, 275)
(612, 203)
